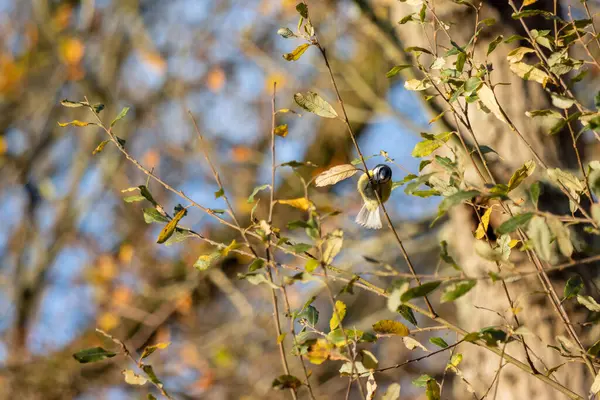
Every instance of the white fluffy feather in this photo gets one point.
(370, 219)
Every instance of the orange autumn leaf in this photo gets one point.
(71, 51)
(152, 158)
(241, 154)
(215, 79)
(154, 59)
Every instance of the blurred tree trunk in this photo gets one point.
(479, 365)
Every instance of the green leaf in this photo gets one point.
(256, 190)
(541, 237)
(457, 198)
(595, 349)
(573, 287)
(219, 193)
(407, 313)
(419, 291)
(206, 260)
(534, 192)
(392, 392)
(310, 314)
(389, 327)
(153, 215)
(300, 248)
(438, 341)
(93, 354)
(151, 375)
(297, 53)
(422, 380)
(151, 349)
(170, 227)
(396, 69)
(338, 315)
(256, 264)
(432, 390)
(588, 302)
(133, 199)
(314, 103)
(311, 265)
(428, 146)
(121, 115)
(446, 257)
(514, 223)
(519, 176)
(458, 289)
(257, 279)
(302, 9)
(562, 235)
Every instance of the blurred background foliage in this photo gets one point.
(75, 256)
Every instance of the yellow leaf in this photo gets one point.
(529, 73)
(75, 122)
(513, 243)
(71, 51)
(108, 321)
(281, 130)
(319, 352)
(232, 246)
(280, 338)
(389, 327)
(301, 203)
(483, 225)
(168, 230)
(297, 53)
(338, 315)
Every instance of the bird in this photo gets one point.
(381, 178)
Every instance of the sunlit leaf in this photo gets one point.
(121, 115)
(588, 302)
(335, 174)
(300, 203)
(297, 53)
(75, 122)
(338, 315)
(520, 175)
(389, 327)
(255, 192)
(170, 227)
(281, 130)
(483, 225)
(514, 223)
(333, 245)
(458, 289)
(132, 378)
(314, 103)
(100, 147)
(438, 341)
(396, 69)
(204, 261)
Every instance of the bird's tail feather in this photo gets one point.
(370, 219)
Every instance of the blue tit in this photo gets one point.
(381, 177)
